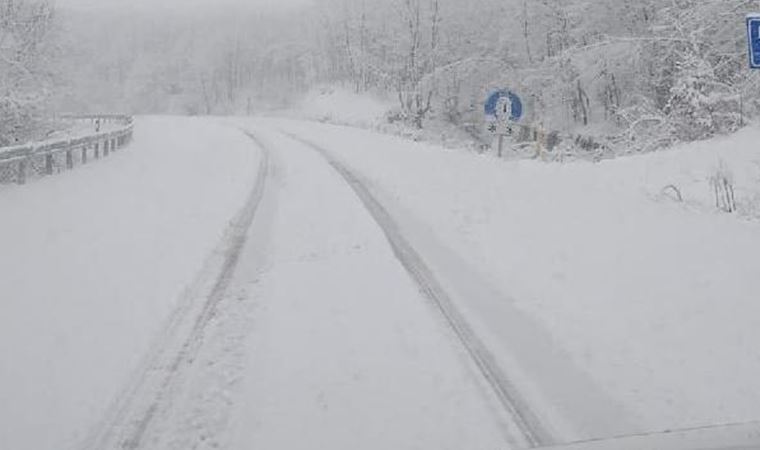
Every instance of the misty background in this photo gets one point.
(638, 76)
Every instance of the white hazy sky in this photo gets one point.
(178, 4)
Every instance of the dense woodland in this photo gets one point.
(639, 75)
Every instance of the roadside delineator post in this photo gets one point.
(21, 175)
(540, 135)
(49, 164)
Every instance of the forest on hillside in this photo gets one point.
(640, 75)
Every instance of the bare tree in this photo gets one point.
(414, 94)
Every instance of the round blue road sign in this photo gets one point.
(504, 103)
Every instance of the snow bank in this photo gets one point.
(339, 106)
(656, 300)
(92, 262)
(689, 168)
(342, 106)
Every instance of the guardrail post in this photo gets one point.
(21, 174)
(48, 153)
(49, 164)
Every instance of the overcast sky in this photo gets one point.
(178, 4)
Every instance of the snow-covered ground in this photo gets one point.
(340, 105)
(317, 339)
(298, 321)
(344, 351)
(82, 128)
(653, 300)
(93, 260)
(116, 330)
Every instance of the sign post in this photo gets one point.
(753, 34)
(503, 109)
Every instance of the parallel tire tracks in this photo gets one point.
(533, 431)
(130, 419)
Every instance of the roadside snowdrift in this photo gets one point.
(341, 106)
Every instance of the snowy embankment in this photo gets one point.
(93, 261)
(337, 105)
(652, 299)
(341, 106)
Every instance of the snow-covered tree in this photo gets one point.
(634, 74)
(25, 30)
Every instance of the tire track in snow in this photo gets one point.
(534, 432)
(174, 351)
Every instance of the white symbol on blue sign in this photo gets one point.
(504, 105)
(503, 108)
(753, 30)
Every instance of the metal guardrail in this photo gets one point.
(22, 162)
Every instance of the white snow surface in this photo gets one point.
(653, 301)
(334, 104)
(321, 339)
(344, 350)
(92, 262)
(611, 307)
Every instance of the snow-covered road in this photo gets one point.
(340, 348)
(344, 351)
(279, 284)
(647, 307)
(92, 263)
(159, 329)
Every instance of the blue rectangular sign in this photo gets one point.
(753, 32)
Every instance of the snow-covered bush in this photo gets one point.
(700, 104)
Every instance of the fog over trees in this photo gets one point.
(642, 73)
